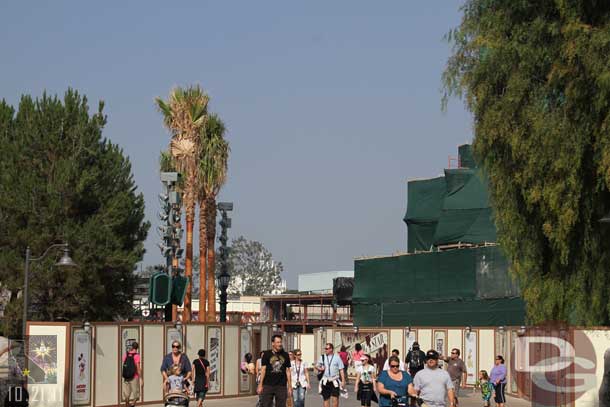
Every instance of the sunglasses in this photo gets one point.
(327, 348)
(454, 353)
(394, 365)
(175, 346)
(298, 354)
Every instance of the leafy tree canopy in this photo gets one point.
(60, 180)
(536, 76)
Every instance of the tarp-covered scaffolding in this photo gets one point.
(427, 286)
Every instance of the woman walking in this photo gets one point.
(498, 377)
(365, 381)
(394, 384)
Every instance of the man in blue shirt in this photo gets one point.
(333, 376)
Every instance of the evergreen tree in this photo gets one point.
(60, 180)
(536, 76)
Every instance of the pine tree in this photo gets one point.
(60, 180)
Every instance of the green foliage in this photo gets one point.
(252, 268)
(60, 180)
(536, 76)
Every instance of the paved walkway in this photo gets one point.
(467, 399)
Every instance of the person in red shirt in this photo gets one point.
(344, 358)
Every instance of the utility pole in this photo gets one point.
(170, 232)
(224, 277)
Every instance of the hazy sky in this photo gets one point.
(330, 106)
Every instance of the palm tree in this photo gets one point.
(185, 115)
(213, 164)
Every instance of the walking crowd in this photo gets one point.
(283, 379)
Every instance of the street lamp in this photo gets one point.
(223, 284)
(224, 277)
(65, 261)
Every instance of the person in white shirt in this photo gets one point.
(333, 376)
(365, 381)
(300, 379)
(395, 352)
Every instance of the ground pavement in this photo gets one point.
(467, 399)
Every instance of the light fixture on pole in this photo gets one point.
(522, 330)
(468, 330)
(249, 327)
(224, 278)
(65, 261)
(501, 329)
(87, 327)
(408, 330)
(356, 329)
(274, 328)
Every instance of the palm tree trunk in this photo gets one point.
(203, 294)
(188, 269)
(211, 237)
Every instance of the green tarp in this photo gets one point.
(469, 284)
(450, 209)
(466, 156)
(425, 199)
(478, 312)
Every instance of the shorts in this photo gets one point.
(329, 390)
(131, 389)
(456, 387)
(200, 395)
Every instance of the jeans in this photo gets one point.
(298, 396)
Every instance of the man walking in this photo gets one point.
(433, 384)
(415, 360)
(132, 376)
(386, 365)
(276, 379)
(457, 370)
(333, 376)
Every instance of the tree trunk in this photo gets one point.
(188, 269)
(211, 237)
(203, 294)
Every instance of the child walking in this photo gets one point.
(487, 387)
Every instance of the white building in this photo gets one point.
(320, 283)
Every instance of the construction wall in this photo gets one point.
(84, 367)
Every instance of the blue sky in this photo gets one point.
(330, 106)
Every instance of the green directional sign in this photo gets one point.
(160, 292)
(179, 289)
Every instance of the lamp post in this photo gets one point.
(224, 277)
(65, 261)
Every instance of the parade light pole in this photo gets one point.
(65, 261)
(224, 277)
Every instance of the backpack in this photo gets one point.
(129, 367)
(415, 361)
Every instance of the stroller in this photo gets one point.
(177, 398)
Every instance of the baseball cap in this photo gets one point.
(432, 354)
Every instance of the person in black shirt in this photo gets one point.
(201, 368)
(275, 375)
